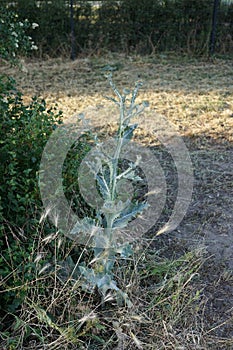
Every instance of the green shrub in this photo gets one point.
(24, 132)
(53, 19)
(13, 38)
(70, 175)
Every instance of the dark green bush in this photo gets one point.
(70, 175)
(24, 132)
(53, 34)
(13, 38)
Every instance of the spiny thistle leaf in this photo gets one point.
(114, 208)
(129, 213)
(112, 99)
(128, 133)
(131, 176)
(89, 282)
(86, 225)
(125, 251)
(103, 187)
(122, 298)
(105, 283)
(102, 241)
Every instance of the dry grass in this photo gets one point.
(57, 314)
(182, 300)
(196, 96)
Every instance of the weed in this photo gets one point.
(114, 213)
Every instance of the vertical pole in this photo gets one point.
(73, 55)
(214, 26)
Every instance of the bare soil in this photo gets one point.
(197, 97)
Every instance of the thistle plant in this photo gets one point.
(114, 213)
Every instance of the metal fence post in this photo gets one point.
(73, 53)
(214, 26)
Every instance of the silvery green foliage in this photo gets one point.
(114, 213)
